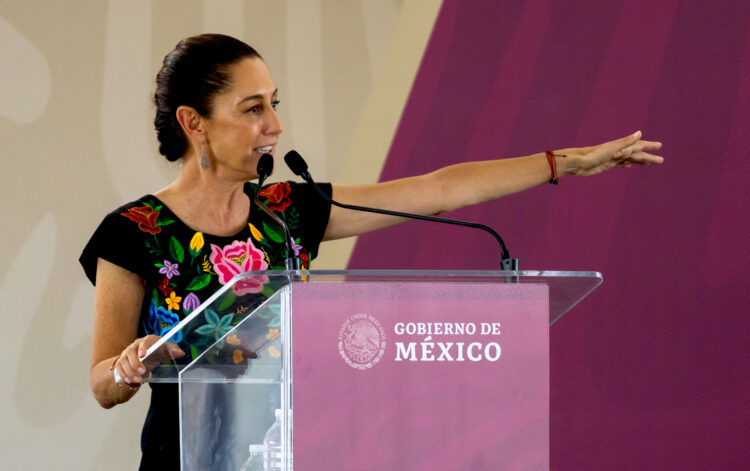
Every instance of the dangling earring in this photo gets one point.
(204, 157)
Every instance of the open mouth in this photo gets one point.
(264, 150)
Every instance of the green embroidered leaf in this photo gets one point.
(205, 329)
(164, 222)
(158, 208)
(176, 250)
(264, 241)
(199, 282)
(158, 265)
(267, 291)
(293, 218)
(146, 203)
(193, 352)
(273, 234)
(227, 300)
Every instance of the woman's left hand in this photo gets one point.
(630, 150)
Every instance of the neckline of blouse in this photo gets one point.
(247, 188)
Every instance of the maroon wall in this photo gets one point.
(651, 370)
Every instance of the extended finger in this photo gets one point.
(168, 351)
(645, 146)
(644, 158)
(124, 368)
(136, 366)
(174, 350)
(627, 141)
(145, 343)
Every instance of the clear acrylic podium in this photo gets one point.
(366, 370)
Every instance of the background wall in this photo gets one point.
(650, 371)
(76, 84)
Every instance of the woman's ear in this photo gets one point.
(190, 121)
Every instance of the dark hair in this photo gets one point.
(196, 70)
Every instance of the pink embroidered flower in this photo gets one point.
(236, 258)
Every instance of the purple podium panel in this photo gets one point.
(420, 376)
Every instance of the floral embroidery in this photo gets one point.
(255, 232)
(191, 302)
(278, 196)
(173, 301)
(160, 321)
(146, 217)
(206, 265)
(274, 352)
(169, 269)
(215, 325)
(196, 243)
(250, 284)
(295, 246)
(183, 266)
(237, 258)
(164, 287)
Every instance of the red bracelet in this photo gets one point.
(552, 166)
(114, 362)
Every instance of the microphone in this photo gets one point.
(264, 169)
(299, 167)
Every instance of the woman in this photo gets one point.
(155, 259)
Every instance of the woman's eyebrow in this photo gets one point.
(257, 96)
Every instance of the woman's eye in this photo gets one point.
(254, 109)
(275, 103)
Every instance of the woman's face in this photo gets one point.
(243, 123)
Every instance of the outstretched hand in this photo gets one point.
(630, 150)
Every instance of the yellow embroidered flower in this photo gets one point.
(233, 340)
(173, 301)
(272, 334)
(237, 357)
(274, 352)
(196, 243)
(255, 232)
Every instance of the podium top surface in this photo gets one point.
(262, 294)
(566, 288)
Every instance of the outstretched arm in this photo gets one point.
(470, 183)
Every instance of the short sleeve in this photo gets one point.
(314, 212)
(116, 240)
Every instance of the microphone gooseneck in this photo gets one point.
(299, 167)
(264, 170)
